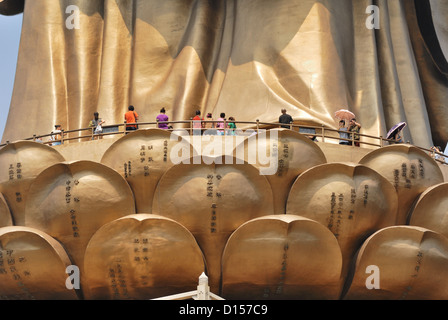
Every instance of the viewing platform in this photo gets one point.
(94, 145)
(142, 214)
(325, 137)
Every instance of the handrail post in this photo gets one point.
(34, 137)
(62, 136)
(258, 125)
(225, 127)
(290, 125)
(191, 126)
(323, 133)
(381, 141)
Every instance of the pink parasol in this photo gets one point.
(344, 114)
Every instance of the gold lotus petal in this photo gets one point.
(20, 163)
(353, 201)
(33, 266)
(5, 213)
(281, 257)
(295, 154)
(431, 209)
(71, 201)
(141, 158)
(142, 256)
(411, 264)
(409, 169)
(211, 201)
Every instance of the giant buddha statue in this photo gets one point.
(386, 61)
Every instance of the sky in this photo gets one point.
(10, 28)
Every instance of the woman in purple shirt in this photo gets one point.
(162, 117)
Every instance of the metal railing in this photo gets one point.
(313, 132)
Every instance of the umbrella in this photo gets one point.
(344, 114)
(395, 129)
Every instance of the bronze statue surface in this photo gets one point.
(246, 58)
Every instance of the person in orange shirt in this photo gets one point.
(131, 118)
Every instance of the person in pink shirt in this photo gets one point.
(220, 124)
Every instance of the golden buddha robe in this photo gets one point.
(248, 59)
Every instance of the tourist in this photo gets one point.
(221, 123)
(56, 135)
(231, 125)
(285, 119)
(97, 124)
(397, 137)
(197, 123)
(162, 117)
(209, 126)
(131, 118)
(343, 135)
(437, 153)
(354, 128)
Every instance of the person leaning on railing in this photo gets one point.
(343, 135)
(131, 118)
(209, 126)
(231, 125)
(197, 123)
(56, 135)
(96, 123)
(286, 119)
(221, 124)
(354, 128)
(162, 117)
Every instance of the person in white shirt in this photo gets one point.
(56, 135)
